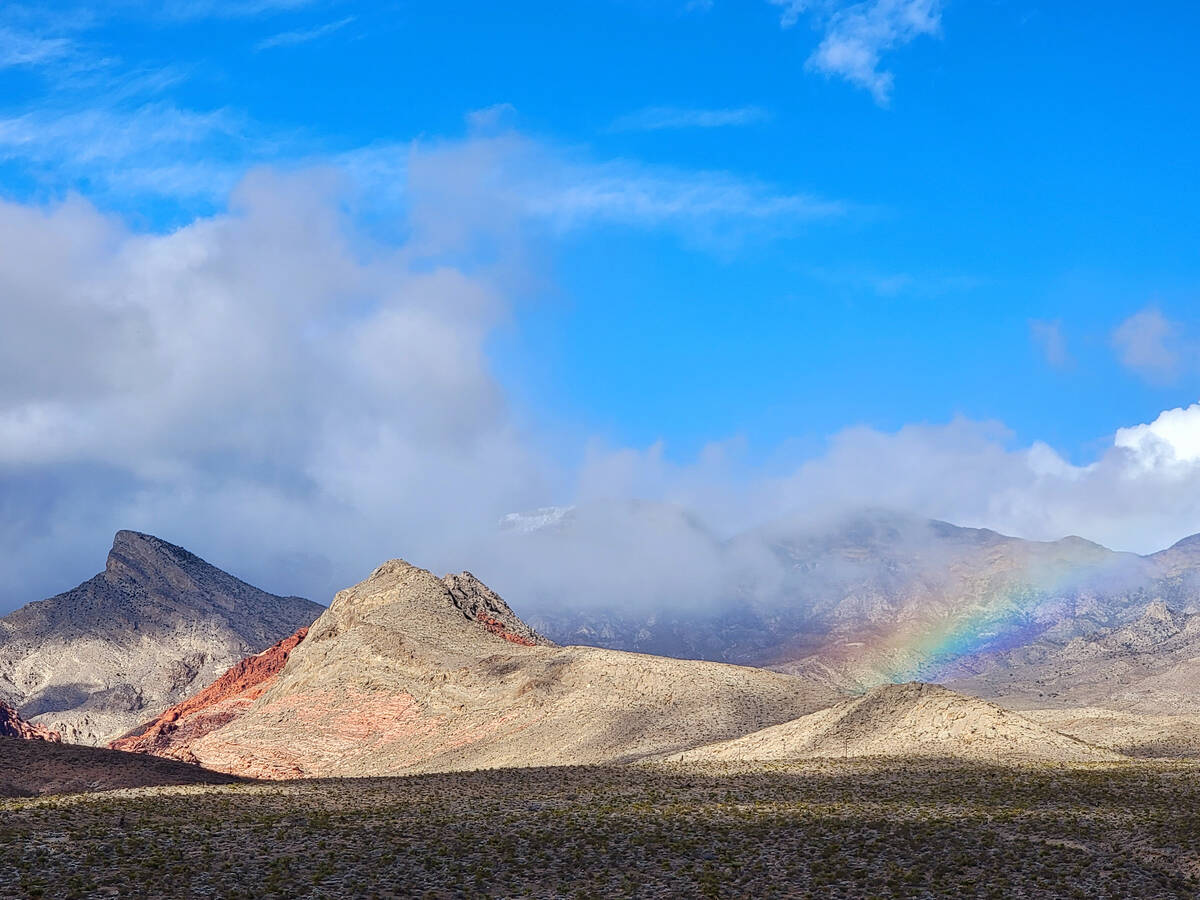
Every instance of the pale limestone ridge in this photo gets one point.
(907, 720)
(155, 626)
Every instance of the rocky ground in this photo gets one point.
(830, 829)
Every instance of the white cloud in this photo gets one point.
(1146, 344)
(264, 370)
(158, 150)
(1171, 439)
(153, 149)
(303, 36)
(561, 189)
(855, 36)
(663, 118)
(288, 396)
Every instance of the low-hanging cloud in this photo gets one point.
(297, 398)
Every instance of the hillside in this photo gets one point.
(29, 768)
(907, 720)
(221, 702)
(155, 626)
(407, 672)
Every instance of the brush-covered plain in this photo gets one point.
(882, 828)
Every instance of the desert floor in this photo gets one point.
(868, 828)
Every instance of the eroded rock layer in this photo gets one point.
(221, 702)
(13, 726)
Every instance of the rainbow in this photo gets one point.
(1005, 615)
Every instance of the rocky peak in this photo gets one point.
(155, 625)
(481, 604)
(1158, 611)
(146, 559)
(414, 602)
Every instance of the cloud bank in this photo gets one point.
(296, 398)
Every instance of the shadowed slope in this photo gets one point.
(36, 767)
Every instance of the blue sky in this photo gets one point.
(734, 228)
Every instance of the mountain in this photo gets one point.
(1150, 666)
(907, 720)
(156, 625)
(878, 597)
(409, 672)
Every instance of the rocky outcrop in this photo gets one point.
(13, 726)
(481, 604)
(221, 702)
(154, 627)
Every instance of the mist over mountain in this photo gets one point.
(868, 597)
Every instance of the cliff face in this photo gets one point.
(171, 734)
(12, 725)
(150, 630)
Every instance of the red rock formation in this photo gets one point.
(496, 627)
(12, 725)
(218, 704)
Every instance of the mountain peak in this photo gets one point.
(157, 623)
(387, 570)
(146, 557)
(439, 611)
